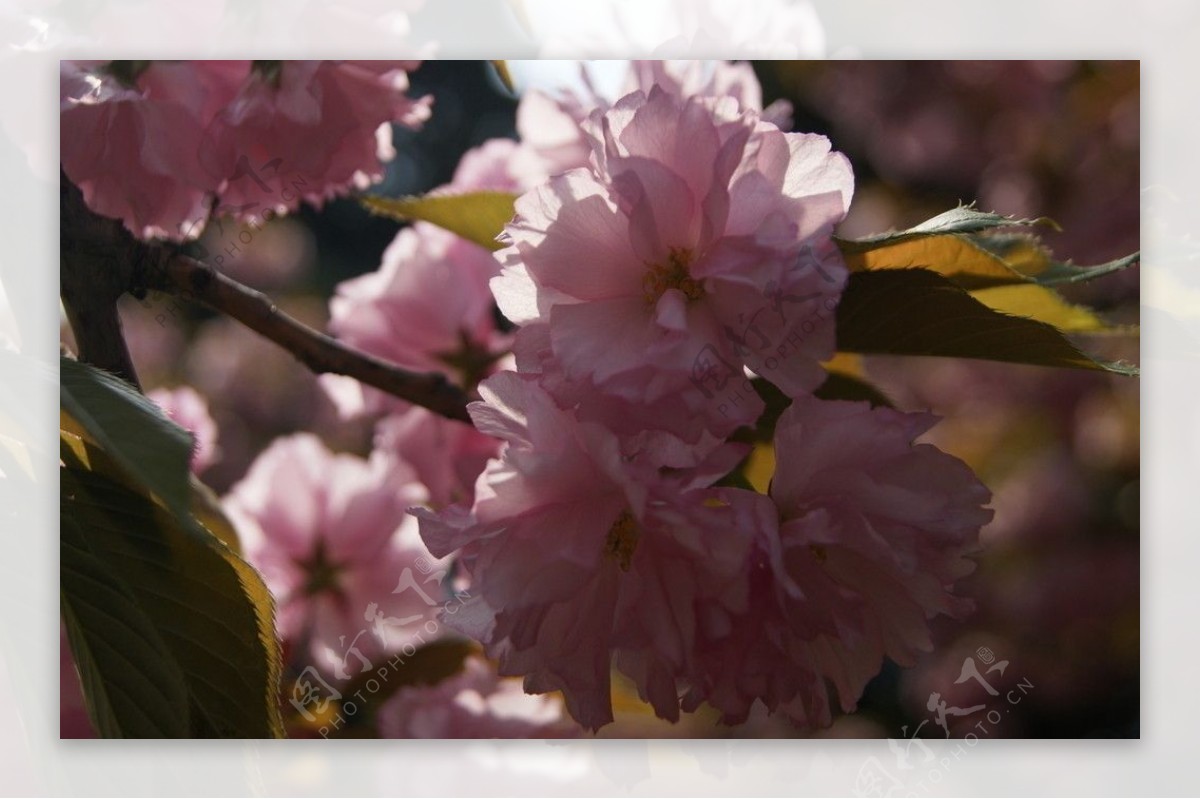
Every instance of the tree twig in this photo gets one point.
(165, 269)
(101, 260)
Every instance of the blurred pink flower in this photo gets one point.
(550, 123)
(476, 703)
(700, 78)
(329, 534)
(495, 165)
(428, 301)
(189, 410)
(132, 144)
(447, 456)
(698, 243)
(153, 143)
(873, 532)
(308, 130)
(579, 556)
(428, 307)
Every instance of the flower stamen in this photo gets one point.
(622, 540)
(671, 275)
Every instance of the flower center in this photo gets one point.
(673, 274)
(321, 574)
(622, 540)
(471, 360)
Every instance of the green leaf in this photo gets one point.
(919, 312)
(109, 413)
(204, 618)
(1044, 305)
(1027, 255)
(133, 686)
(957, 257)
(478, 216)
(963, 219)
(1011, 272)
(207, 512)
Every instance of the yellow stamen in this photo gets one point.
(671, 275)
(622, 539)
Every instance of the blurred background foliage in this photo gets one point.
(1057, 587)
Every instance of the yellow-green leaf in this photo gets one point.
(1010, 272)
(133, 686)
(206, 511)
(919, 312)
(1027, 255)
(1040, 303)
(949, 254)
(211, 615)
(478, 216)
(148, 447)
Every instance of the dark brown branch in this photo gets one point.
(95, 263)
(101, 260)
(174, 273)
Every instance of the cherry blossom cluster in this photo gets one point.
(670, 246)
(358, 594)
(671, 252)
(161, 145)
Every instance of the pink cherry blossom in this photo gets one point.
(153, 143)
(330, 537)
(446, 456)
(133, 148)
(493, 166)
(872, 533)
(189, 410)
(697, 78)
(581, 557)
(698, 244)
(550, 122)
(428, 308)
(308, 130)
(476, 703)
